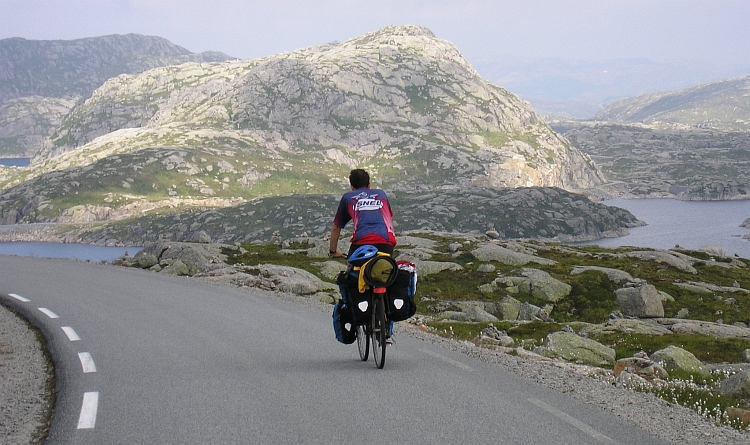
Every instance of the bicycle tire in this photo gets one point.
(379, 331)
(363, 343)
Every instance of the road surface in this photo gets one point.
(143, 358)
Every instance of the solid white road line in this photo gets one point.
(19, 298)
(87, 362)
(71, 333)
(87, 420)
(448, 360)
(48, 312)
(573, 421)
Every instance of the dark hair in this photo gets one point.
(359, 178)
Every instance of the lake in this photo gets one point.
(691, 224)
(66, 250)
(15, 162)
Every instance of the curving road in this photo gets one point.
(142, 358)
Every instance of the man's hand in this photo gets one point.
(336, 255)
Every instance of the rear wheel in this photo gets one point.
(363, 343)
(379, 332)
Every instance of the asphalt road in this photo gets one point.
(142, 358)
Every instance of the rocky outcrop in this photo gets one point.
(615, 275)
(496, 252)
(177, 258)
(539, 284)
(574, 348)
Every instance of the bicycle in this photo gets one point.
(375, 332)
(378, 272)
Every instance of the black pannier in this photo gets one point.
(343, 323)
(401, 304)
(360, 302)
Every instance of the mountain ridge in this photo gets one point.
(722, 106)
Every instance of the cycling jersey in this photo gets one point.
(371, 214)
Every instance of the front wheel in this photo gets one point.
(379, 331)
(363, 343)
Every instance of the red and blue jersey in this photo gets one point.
(371, 214)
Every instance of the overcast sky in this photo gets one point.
(714, 31)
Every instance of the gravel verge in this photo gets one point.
(25, 373)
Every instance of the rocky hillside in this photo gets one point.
(399, 102)
(540, 213)
(648, 161)
(41, 81)
(721, 106)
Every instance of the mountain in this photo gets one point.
(399, 102)
(564, 88)
(722, 106)
(41, 81)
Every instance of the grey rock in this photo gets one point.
(574, 348)
(642, 301)
(625, 325)
(494, 252)
(615, 275)
(674, 357)
(737, 385)
(292, 280)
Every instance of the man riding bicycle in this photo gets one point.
(370, 212)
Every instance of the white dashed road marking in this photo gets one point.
(71, 333)
(87, 420)
(575, 422)
(48, 312)
(87, 362)
(19, 298)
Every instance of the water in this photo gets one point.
(66, 250)
(15, 162)
(691, 224)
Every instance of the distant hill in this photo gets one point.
(723, 106)
(41, 80)
(562, 88)
(62, 68)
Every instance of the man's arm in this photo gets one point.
(334, 244)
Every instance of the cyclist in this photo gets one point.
(370, 212)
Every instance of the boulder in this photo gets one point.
(529, 312)
(178, 257)
(642, 367)
(293, 280)
(614, 275)
(492, 337)
(737, 385)
(719, 330)
(674, 259)
(509, 307)
(494, 252)
(674, 357)
(574, 348)
(536, 282)
(640, 300)
(175, 267)
(431, 267)
(626, 325)
(739, 414)
(470, 312)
